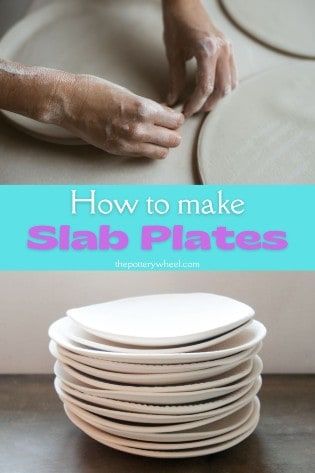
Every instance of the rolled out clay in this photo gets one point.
(264, 131)
(26, 160)
(286, 25)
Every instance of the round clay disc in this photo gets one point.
(264, 131)
(120, 41)
(286, 25)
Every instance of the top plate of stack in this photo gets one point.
(162, 320)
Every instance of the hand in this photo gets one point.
(114, 119)
(103, 114)
(189, 33)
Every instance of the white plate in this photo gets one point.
(127, 368)
(154, 379)
(192, 408)
(98, 435)
(203, 431)
(125, 428)
(155, 418)
(250, 336)
(160, 398)
(225, 376)
(88, 340)
(212, 440)
(162, 320)
(245, 340)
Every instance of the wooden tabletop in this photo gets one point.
(36, 437)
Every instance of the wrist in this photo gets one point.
(54, 95)
(69, 97)
(35, 92)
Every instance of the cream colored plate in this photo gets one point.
(164, 446)
(286, 25)
(171, 358)
(264, 131)
(162, 378)
(88, 340)
(248, 338)
(220, 377)
(98, 435)
(161, 398)
(125, 368)
(140, 418)
(174, 409)
(124, 429)
(203, 431)
(162, 320)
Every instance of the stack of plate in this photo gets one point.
(171, 375)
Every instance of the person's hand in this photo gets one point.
(103, 114)
(189, 33)
(114, 119)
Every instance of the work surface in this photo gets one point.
(36, 437)
(26, 160)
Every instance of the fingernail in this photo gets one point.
(188, 110)
(177, 142)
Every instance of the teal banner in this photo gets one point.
(157, 228)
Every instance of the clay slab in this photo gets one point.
(270, 121)
(286, 25)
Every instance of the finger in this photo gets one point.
(205, 78)
(224, 75)
(215, 96)
(222, 84)
(136, 149)
(233, 68)
(161, 136)
(212, 101)
(148, 150)
(177, 77)
(167, 117)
